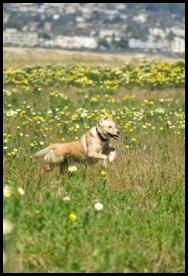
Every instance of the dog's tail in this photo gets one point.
(41, 153)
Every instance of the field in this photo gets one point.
(52, 223)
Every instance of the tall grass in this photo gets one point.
(141, 225)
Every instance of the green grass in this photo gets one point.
(141, 227)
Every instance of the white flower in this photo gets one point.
(21, 191)
(98, 206)
(7, 227)
(41, 143)
(66, 198)
(11, 113)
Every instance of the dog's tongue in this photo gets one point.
(115, 136)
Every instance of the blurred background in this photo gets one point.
(100, 27)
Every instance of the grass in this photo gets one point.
(19, 57)
(141, 227)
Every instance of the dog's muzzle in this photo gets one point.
(115, 136)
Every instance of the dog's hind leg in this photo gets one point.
(47, 167)
(63, 167)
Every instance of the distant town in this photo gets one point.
(95, 26)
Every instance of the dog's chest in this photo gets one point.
(101, 146)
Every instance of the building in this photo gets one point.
(75, 42)
(178, 45)
(150, 44)
(110, 34)
(141, 18)
(11, 37)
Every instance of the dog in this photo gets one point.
(91, 147)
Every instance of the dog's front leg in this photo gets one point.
(100, 156)
(110, 152)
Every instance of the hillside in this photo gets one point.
(105, 26)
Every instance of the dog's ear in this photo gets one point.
(101, 119)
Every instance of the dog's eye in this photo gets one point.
(110, 126)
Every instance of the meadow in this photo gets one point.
(126, 218)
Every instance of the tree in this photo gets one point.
(170, 36)
(103, 42)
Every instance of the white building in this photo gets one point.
(178, 45)
(163, 45)
(13, 37)
(75, 42)
(157, 32)
(141, 18)
(109, 34)
(177, 31)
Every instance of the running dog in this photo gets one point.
(91, 147)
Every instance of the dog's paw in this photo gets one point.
(112, 156)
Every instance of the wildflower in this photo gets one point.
(21, 191)
(72, 169)
(7, 227)
(7, 191)
(66, 198)
(98, 206)
(41, 143)
(127, 146)
(72, 217)
(133, 139)
(103, 173)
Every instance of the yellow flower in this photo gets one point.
(103, 173)
(127, 146)
(7, 191)
(72, 169)
(133, 139)
(72, 217)
(21, 191)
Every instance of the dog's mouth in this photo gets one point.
(114, 136)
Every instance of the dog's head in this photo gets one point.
(107, 128)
